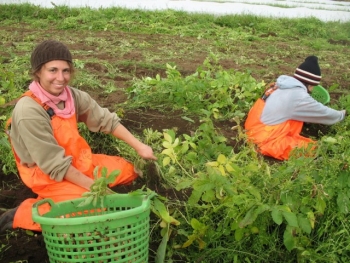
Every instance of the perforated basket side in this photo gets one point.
(320, 94)
(118, 242)
(117, 232)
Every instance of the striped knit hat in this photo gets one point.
(309, 71)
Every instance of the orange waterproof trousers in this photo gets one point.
(277, 140)
(67, 135)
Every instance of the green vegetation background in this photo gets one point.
(241, 208)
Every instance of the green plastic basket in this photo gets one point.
(118, 231)
(320, 94)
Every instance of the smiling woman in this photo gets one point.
(52, 158)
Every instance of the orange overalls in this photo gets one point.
(67, 135)
(276, 140)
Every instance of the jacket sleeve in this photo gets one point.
(33, 141)
(96, 118)
(311, 111)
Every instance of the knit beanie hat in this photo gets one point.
(309, 71)
(49, 50)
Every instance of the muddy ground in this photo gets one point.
(20, 246)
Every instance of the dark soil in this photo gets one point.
(23, 246)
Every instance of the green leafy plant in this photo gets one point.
(223, 93)
(99, 189)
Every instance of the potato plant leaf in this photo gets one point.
(159, 209)
(311, 218)
(320, 205)
(161, 251)
(252, 214)
(304, 224)
(277, 216)
(288, 238)
(343, 202)
(168, 138)
(166, 161)
(239, 234)
(291, 218)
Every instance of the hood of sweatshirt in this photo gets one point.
(288, 82)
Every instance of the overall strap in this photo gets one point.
(48, 109)
(29, 93)
(272, 87)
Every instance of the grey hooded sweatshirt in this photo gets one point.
(291, 101)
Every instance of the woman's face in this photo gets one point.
(54, 76)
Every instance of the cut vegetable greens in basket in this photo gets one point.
(100, 187)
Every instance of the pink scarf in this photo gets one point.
(52, 100)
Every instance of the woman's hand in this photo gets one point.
(142, 149)
(145, 152)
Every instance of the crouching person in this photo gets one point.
(276, 119)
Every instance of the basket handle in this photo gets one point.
(36, 205)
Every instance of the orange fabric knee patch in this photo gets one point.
(127, 173)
